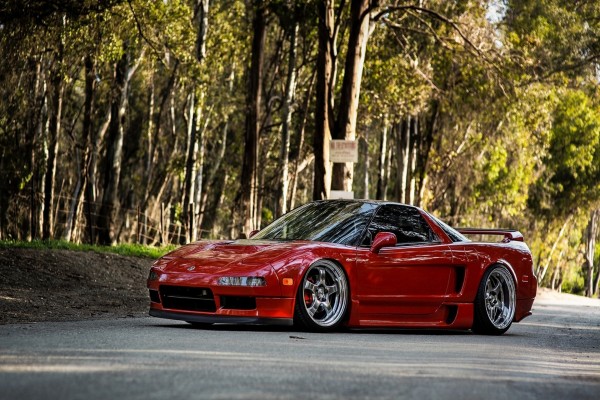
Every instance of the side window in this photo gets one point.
(406, 223)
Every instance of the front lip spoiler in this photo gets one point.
(210, 319)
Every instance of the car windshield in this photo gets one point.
(340, 222)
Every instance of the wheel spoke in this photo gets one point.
(312, 310)
(497, 287)
(328, 308)
(322, 276)
(488, 287)
(308, 285)
(503, 310)
(495, 314)
(331, 289)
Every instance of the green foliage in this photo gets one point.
(267, 216)
(124, 249)
(571, 176)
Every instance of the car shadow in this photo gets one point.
(299, 331)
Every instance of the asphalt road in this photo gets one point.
(554, 354)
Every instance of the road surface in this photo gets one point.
(555, 354)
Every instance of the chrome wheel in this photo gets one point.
(324, 295)
(500, 298)
(496, 302)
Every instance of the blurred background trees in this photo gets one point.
(170, 121)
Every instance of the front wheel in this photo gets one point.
(322, 298)
(495, 303)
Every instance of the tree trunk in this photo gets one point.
(389, 160)
(557, 272)
(428, 137)
(216, 163)
(381, 161)
(253, 106)
(345, 127)
(202, 22)
(300, 142)
(403, 152)
(92, 192)
(290, 87)
(199, 175)
(114, 148)
(55, 110)
(590, 249)
(83, 157)
(324, 123)
(157, 129)
(366, 193)
(549, 259)
(190, 169)
(414, 135)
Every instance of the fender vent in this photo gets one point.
(460, 279)
(452, 312)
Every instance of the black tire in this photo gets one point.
(322, 297)
(496, 302)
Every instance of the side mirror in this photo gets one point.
(383, 239)
(254, 232)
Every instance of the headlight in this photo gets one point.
(152, 276)
(242, 281)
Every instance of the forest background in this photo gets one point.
(173, 120)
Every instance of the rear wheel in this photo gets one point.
(322, 298)
(495, 303)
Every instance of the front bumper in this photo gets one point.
(196, 296)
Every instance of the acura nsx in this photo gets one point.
(354, 263)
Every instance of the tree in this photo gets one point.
(249, 188)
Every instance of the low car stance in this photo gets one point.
(356, 263)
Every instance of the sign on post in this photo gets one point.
(341, 194)
(343, 151)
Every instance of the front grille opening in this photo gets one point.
(238, 303)
(187, 298)
(154, 297)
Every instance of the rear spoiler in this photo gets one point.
(509, 234)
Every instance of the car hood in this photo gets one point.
(217, 257)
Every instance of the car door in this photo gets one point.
(411, 278)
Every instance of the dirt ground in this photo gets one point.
(61, 285)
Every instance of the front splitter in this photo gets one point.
(225, 319)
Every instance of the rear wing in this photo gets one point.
(509, 234)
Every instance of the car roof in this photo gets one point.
(368, 201)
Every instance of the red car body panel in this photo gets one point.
(431, 285)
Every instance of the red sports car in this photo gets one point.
(353, 263)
